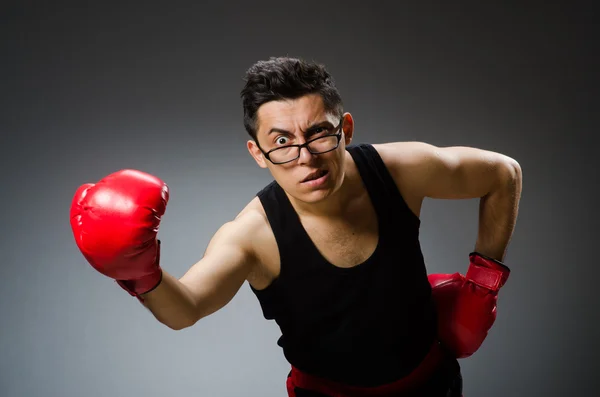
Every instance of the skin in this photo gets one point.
(245, 250)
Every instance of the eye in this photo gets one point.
(282, 140)
(321, 131)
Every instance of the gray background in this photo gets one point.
(90, 90)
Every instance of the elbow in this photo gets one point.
(515, 169)
(510, 173)
(507, 179)
(177, 327)
(180, 325)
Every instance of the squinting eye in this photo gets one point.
(321, 131)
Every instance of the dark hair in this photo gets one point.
(286, 78)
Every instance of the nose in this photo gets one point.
(305, 156)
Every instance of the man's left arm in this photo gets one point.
(466, 304)
(422, 170)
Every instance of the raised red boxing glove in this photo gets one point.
(467, 305)
(115, 223)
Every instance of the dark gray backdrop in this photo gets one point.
(90, 90)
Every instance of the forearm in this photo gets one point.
(171, 303)
(498, 212)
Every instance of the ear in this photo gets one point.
(348, 128)
(256, 153)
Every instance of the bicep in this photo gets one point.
(457, 172)
(217, 277)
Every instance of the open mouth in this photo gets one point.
(315, 175)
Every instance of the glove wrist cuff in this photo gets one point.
(142, 285)
(489, 262)
(147, 283)
(487, 272)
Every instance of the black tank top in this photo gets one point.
(366, 325)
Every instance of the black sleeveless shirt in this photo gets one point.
(366, 325)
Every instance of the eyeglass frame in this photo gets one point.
(337, 134)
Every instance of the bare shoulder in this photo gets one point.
(404, 161)
(252, 217)
(407, 161)
(399, 156)
(249, 226)
(253, 221)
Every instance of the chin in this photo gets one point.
(314, 196)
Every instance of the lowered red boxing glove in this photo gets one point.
(115, 223)
(466, 305)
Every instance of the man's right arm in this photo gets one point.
(212, 282)
(115, 223)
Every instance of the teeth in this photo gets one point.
(317, 175)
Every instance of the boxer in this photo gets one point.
(330, 247)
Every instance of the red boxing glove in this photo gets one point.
(466, 305)
(115, 223)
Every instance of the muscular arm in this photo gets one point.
(209, 284)
(422, 170)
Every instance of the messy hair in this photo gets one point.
(286, 78)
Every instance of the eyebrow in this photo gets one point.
(309, 130)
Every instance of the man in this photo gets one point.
(330, 247)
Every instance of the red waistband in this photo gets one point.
(406, 384)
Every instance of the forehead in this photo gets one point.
(290, 113)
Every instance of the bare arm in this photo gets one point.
(422, 170)
(212, 282)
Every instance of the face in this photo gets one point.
(311, 177)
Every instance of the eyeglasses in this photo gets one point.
(319, 145)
